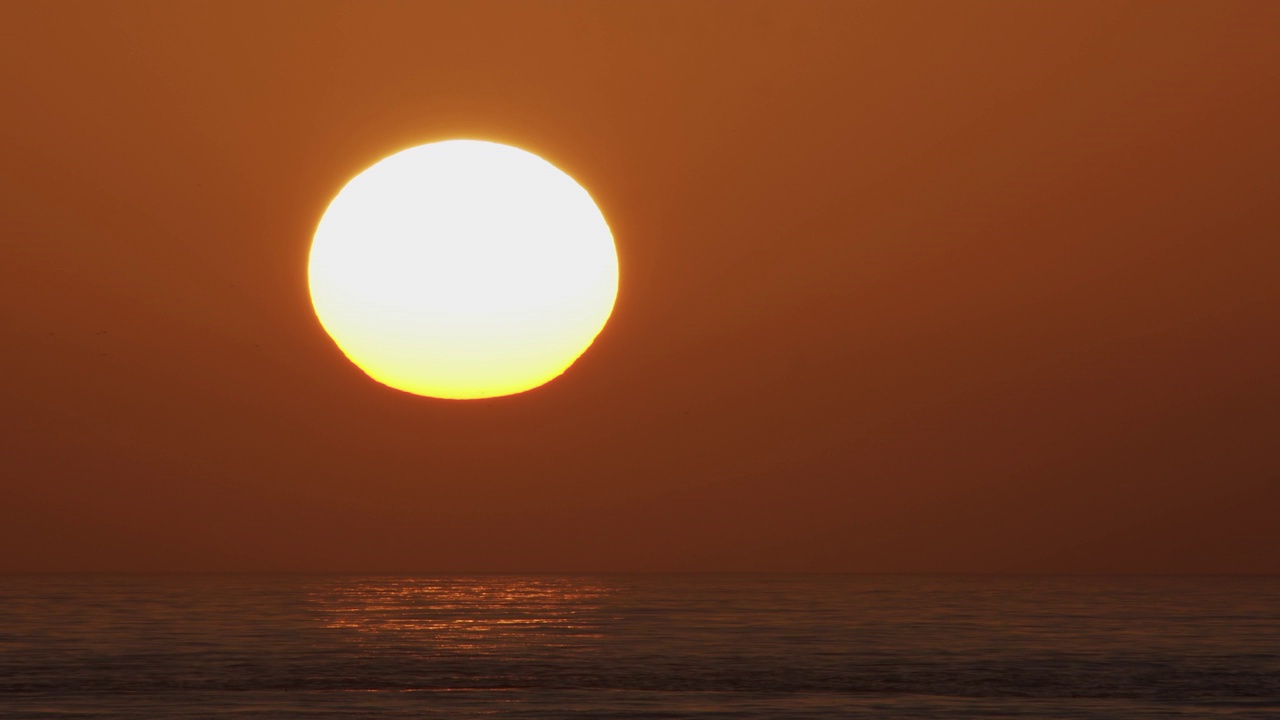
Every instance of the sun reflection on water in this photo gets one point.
(473, 615)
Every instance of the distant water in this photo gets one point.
(638, 647)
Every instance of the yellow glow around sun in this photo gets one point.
(463, 269)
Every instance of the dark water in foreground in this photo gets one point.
(638, 647)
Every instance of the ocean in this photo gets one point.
(638, 646)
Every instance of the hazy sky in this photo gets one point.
(905, 286)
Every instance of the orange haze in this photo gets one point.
(906, 286)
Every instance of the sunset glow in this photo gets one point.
(463, 269)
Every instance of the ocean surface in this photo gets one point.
(714, 646)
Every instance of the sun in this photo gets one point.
(463, 269)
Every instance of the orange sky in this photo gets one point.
(906, 286)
